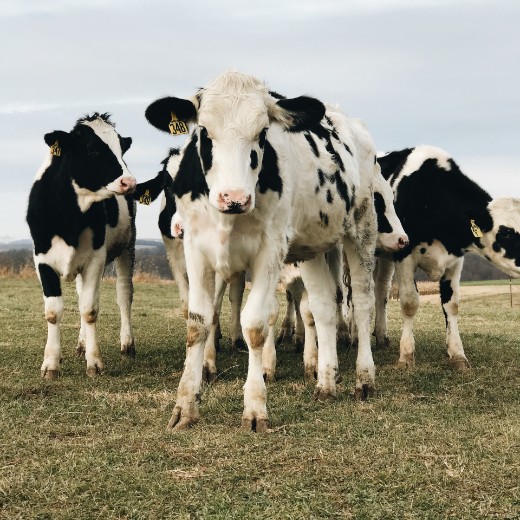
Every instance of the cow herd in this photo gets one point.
(288, 190)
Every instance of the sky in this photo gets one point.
(439, 72)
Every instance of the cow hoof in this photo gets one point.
(128, 351)
(239, 344)
(459, 363)
(179, 422)
(406, 361)
(80, 350)
(208, 375)
(255, 425)
(50, 374)
(95, 370)
(323, 396)
(382, 343)
(363, 393)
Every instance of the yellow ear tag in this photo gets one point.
(177, 127)
(55, 149)
(145, 198)
(477, 232)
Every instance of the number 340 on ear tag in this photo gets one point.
(177, 127)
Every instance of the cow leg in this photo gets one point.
(449, 289)
(200, 317)
(209, 369)
(125, 292)
(383, 282)
(321, 289)
(53, 301)
(175, 254)
(89, 311)
(297, 289)
(409, 299)
(255, 318)
(269, 353)
(287, 327)
(361, 261)
(310, 347)
(236, 293)
(80, 349)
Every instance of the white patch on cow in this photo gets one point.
(87, 197)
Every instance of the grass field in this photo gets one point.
(431, 444)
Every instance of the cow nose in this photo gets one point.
(234, 201)
(127, 184)
(402, 242)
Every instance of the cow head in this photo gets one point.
(231, 118)
(92, 155)
(501, 244)
(391, 235)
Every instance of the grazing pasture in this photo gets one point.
(431, 444)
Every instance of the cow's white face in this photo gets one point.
(231, 117)
(502, 243)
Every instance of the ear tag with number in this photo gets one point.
(177, 127)
(145, 198)
(477, 232)
(55, 149)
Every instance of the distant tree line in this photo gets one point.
(151, 259)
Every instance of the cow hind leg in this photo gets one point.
(236, 294)
(383, 282)
(80, 348)
(125, 292)
(287, 327)
(53, 301)
(449, 290)
(269, 352)
(310, 347)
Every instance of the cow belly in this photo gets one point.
(434, 259)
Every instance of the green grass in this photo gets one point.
(431, 444)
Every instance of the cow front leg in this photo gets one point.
(360, 259)
(53, 302)
(89, 311)
(321, 290)
(409, 299)
(200, 317)
(449, 289)
(236, 294)
(175, 254)
(287, 327)
(383, 282)
(80, 348)
(269, 353)
(125, 292)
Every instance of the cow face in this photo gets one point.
(231, 118)
(391, 235)
(502, 243)
(92, 154)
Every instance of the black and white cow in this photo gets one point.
(261, 180)
(445, 215)
(81, 216)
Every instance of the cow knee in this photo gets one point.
(256, 337)
(197, 330)
(90, 315)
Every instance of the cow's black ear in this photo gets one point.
(161, 112)
(303, 112)
(126, 142)
(59, 140)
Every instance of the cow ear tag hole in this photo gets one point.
(55, 149)
(176, 126)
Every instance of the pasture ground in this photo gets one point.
(431, 444)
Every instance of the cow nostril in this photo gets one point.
(402, 242)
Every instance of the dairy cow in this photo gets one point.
(445, 215)
(81, 216)
(263, 179)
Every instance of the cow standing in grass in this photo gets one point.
(81, 216)
(261, 180)
(445, 215)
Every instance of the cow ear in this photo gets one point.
(161, 112)
(126, 142)
(59, 140)
(298, 114)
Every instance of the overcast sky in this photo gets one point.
(441, 72)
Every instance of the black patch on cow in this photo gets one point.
(508, 239)
(154, 186)
(392, 163)
(111, 211)
(190, 177)
(342, 188)
(324, 134)
(330, 198)
(261, 138)
(348, 149)
(339, 295)
(166, 214)
(422, 250)
(269, 176)
(324, 219)
(383, 226)
(445, 290)
(305, 112)
(254, 160)
(317, 189)
(321, 177)
(159, 113)
(312, 144)
(437, 204)
(276, 95)
(50, 281)
(206, 146)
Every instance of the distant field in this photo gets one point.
(515, 281)
(431, 445)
